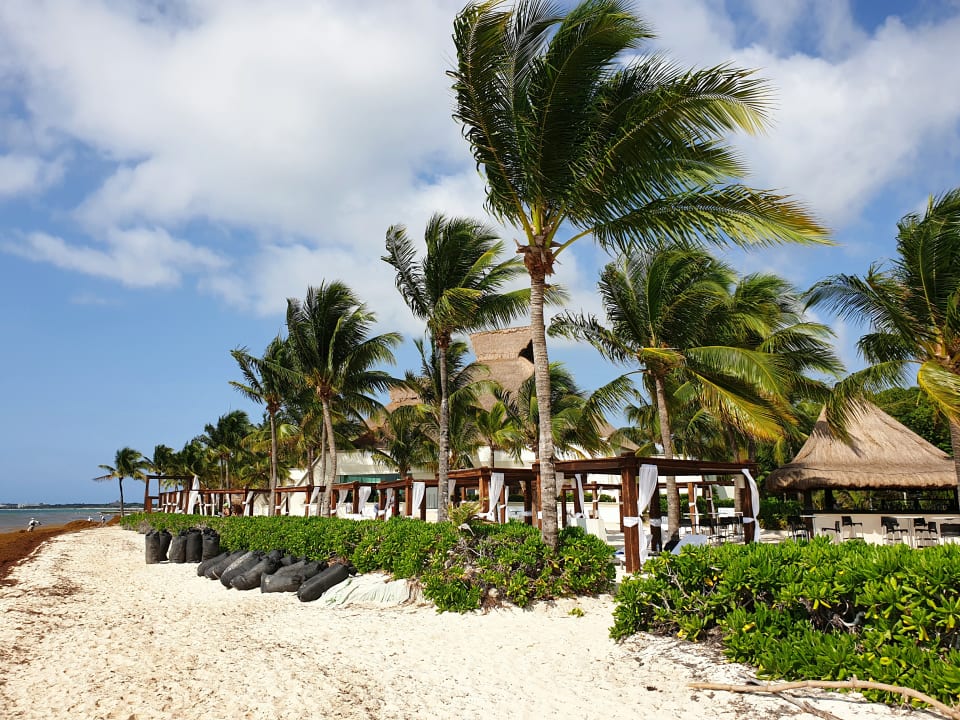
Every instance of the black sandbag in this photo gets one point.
(251, 578)
(152, 548)
(205, 564)
(215, 570)
(319, 584)
(178, 548)
(211, 544)
(164, 543)
(290, 582)
(194, 551)
(290, 578)
(240, 567)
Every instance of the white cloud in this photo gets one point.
(310, 126)
(142, 257)
(22, 174)
(846, 125)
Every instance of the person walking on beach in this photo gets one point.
(32, 524)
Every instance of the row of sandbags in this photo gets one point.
(191, 546)
(247, 569)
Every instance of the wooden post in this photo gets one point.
(596, 500)
(746, 503)
(692, 503)
(563, 504)
(631, 535)
(355, 507)
(656, 536)
(527, 503)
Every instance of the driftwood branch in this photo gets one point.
(854, 684)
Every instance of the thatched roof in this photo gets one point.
(508, 355)
(881, 454)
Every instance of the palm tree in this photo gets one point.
(457, 287)
(497, 429)
(577, 423)
(127, 463)
(224, 439)
(268, 381)
(161, 463)
(669, 312)
(334, 354)
(570, 138)
(912, 310)
(402, 442)
(465, 383)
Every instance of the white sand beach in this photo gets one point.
(90, 631)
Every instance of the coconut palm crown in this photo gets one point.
(912, 307)
(573, 143)
(457, 287)
(335, 355)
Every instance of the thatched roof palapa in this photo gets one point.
(881, 454)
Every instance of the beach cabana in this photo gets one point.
(628, 468)
(880, 454)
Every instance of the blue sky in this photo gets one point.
(172, 171)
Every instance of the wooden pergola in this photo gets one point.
(627, 468)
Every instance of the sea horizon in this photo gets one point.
(18, 518)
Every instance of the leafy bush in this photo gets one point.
(458, 571)
(811, 610)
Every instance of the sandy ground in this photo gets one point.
(90, 631)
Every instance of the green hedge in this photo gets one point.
(458, 570)
(815, 610)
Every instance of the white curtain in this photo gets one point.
(363, 497)
(754, 503)
(646, 492)
(248, 503)
(496, 485)
(388, 510)
(419, 491)
(313, 504)
(194, 497)
(343, 504)
(583, 510)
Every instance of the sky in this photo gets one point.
(171, 171)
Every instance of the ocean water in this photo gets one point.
(18, 519)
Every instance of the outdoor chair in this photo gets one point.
(950, 532)
(836, 530)
(921, 532)
(932, 537)
(798, 531)
(847, 522)
(892, 532)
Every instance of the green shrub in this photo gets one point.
(458, 571)
(811, 610)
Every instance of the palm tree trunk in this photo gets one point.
(273, 462)
(120, 480)
(541, 372)
(955, 444)
(443, 459)
(666, 439)
(492, 462)
(332, 445)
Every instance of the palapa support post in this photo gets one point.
(749, 528)
(563, 504)
(408, 497)
(656, 534)
(691, 503)
(527, 503)
(355, 507)
(631, 535)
